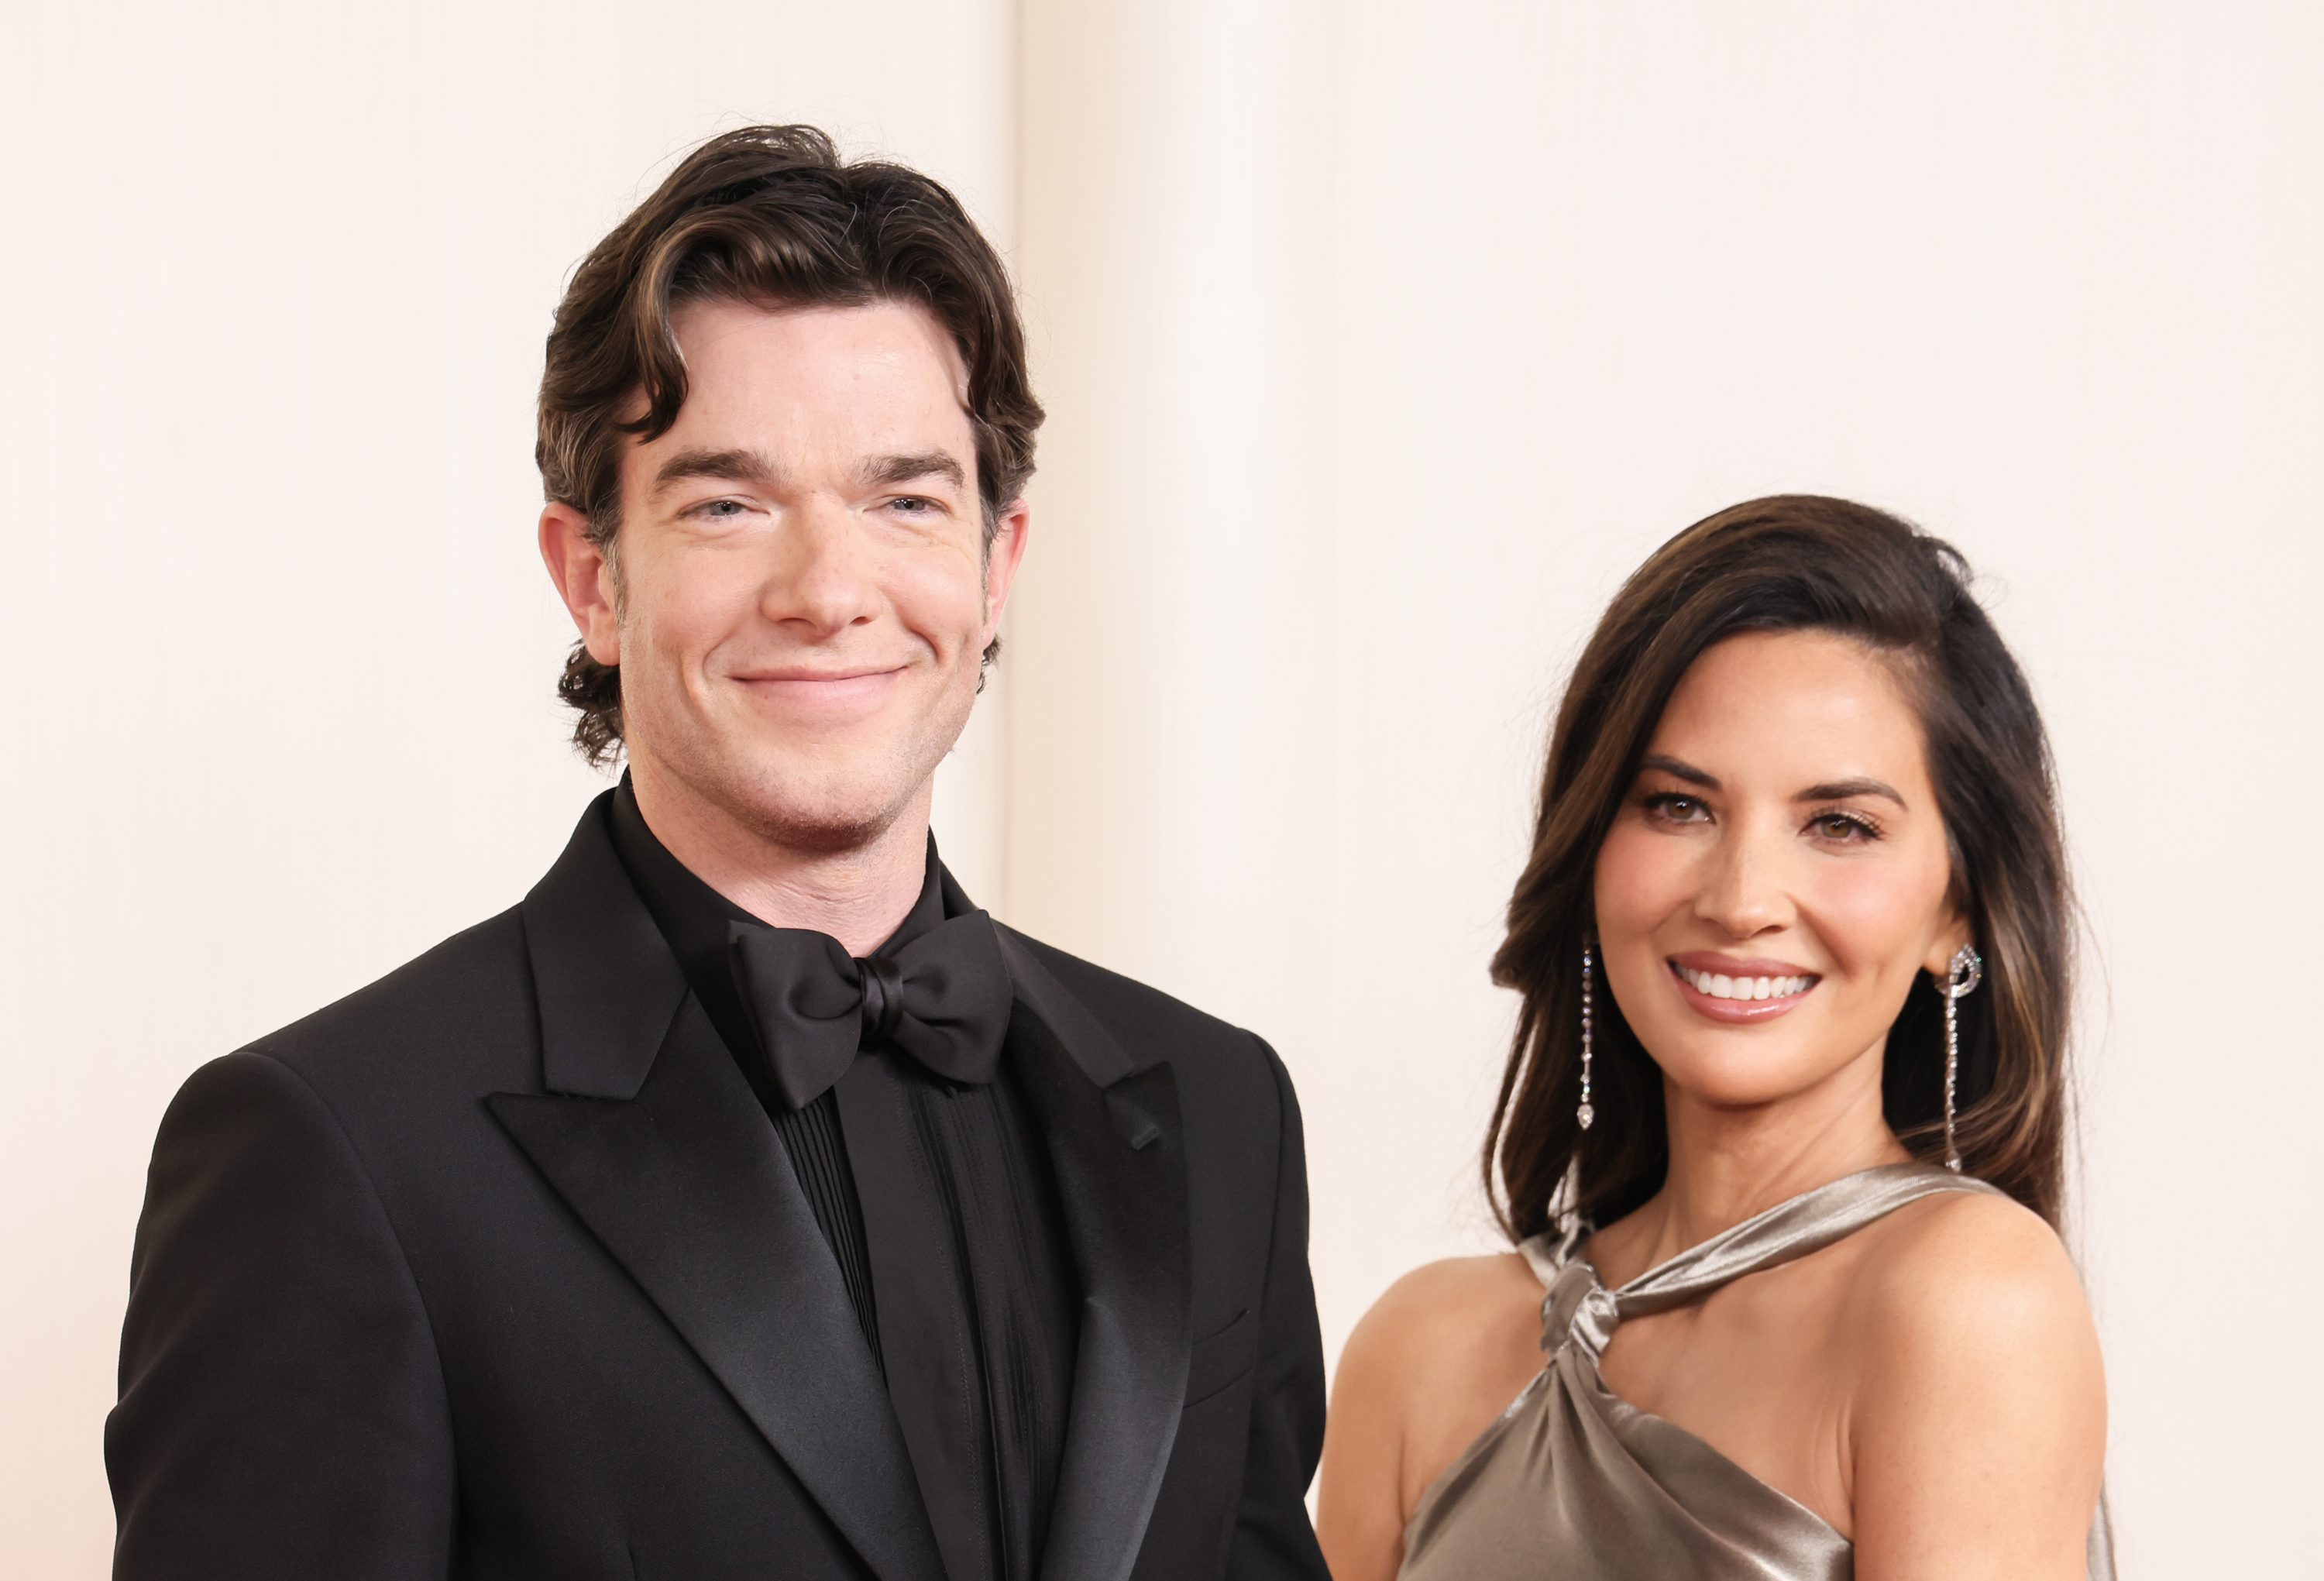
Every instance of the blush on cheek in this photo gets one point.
(1638, 877)
(1874, 911)
(1636, 884)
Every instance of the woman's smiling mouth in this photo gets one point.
(1740, 990)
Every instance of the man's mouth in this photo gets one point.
(826, 698)
(812, 675)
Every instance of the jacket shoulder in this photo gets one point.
(1112, 995)
(1152, 1025)
(471, 991)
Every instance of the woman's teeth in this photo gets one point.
(1718, 986)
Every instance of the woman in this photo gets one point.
(1780, 1136)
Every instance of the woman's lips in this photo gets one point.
(1733, 997)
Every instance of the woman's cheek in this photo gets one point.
(1875, 910)
(1629, 878)
(1640, 879)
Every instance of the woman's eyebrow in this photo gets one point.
(1679, 768)
(1840, 790)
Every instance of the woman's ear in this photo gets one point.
(1950, 939)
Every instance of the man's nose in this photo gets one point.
(821, 578)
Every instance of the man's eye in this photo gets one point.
(719, 508)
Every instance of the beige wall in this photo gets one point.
(1381, 341)
(282, 649)
(1413, 327)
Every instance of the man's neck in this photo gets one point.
(858, 894)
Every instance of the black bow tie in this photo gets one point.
(943, 998)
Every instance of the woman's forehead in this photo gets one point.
(1809, 705)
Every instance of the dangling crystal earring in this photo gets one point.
(1585, 1114)
(1967, 971)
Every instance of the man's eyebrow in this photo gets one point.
(881, 472)
(1840, 790)
(740, 467)
(1679, 768)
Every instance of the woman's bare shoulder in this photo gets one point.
(1978, 1424)
(1965, 1262)
(1439, 1355)
(1446, 1303)
(1974, 1296)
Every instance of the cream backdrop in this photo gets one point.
(1381, 340)
(281, 274)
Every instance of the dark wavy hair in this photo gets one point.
(1795, 563)
(768, 215)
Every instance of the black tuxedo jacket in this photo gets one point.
(497, 1269)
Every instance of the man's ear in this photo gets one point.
(583, 578)
(1002, 558)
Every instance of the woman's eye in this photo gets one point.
(1677, 809)
(1842, 826)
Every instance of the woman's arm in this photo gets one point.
(1977, 1439)
(1432, 1365)
(1359, 1513)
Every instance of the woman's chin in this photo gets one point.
(1716, 1080)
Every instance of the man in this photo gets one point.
(744, 1202)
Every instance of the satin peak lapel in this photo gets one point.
(664, 1152)
(1115, 1142)
(687, 1187)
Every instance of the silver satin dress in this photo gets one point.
(1573, 1481)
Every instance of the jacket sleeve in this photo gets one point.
(282, 1413)
(1273, 1538)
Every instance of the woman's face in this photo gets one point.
(1777, 872)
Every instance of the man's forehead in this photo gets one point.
(734, 342)
(748, 464)
(883, 325)
(768, 384)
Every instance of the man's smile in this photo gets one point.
(847, 689)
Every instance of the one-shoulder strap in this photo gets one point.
(1794, 1227)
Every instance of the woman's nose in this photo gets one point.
(1744, 890)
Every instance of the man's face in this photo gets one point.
(804, 593)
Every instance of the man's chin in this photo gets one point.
(819, 819)
(820, 831)
(809, 797)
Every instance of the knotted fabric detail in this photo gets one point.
(943, 999)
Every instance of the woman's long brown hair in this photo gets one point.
(1795, 563)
